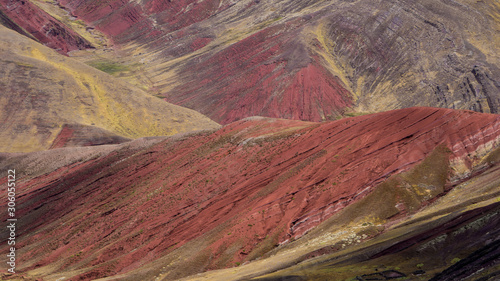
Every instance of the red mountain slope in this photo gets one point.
(46, 29)
(216, 198)
(269, 73)
(81, 135)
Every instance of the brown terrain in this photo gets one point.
(361, 139)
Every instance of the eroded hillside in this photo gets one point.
(217, 199)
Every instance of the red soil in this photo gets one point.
(267, 74)
(199, 43)
(63, 137)
(42, 26)
(250, 180)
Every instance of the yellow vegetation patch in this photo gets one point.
(51, 90)
(335, 66)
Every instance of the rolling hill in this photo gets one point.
(272, 190)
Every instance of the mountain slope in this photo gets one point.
(307, 60)
(454, 237)
(30, 20)
(211, 200)
(42, 91)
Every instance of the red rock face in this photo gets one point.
(254, 182)
(42, 26)
(267, 74)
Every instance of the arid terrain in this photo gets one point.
(259, 189)
(251, 140)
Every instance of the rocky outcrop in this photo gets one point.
(399, 53)
(229, 196)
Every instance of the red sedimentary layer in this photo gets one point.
(199, 43)
(267, 74)
(42, 26)
(250, 180)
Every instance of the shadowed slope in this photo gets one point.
(42, 91)
(80, 135)
(212, 200)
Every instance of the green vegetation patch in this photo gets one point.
(355, 114)
(108, 66)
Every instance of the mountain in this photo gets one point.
(304, 60)
(360, 139)
(45, 93)
(271, 192)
